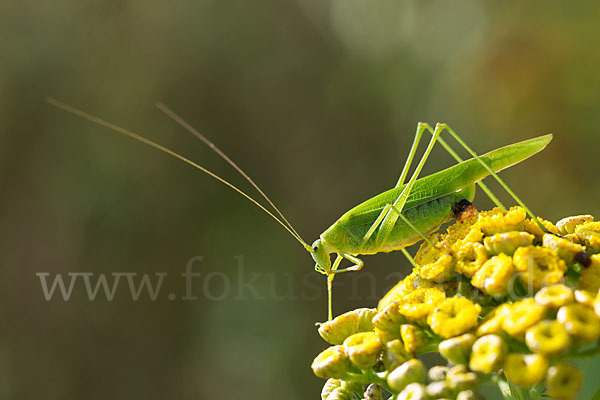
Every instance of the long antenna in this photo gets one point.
(170, 152)
(175, 117)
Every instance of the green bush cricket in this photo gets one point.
(391, 220)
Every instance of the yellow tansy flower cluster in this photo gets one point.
(498, 296)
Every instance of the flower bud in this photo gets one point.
(522, 315)
(525, 370)
(567, 225)
(394, 354)
(365, 318)
(498, 220)
(412, 371)
(495, 275)
(533, 228)
(457, 349)
(454, 316)
(466, 395)
(352, 386)
(329, 387)
(440, 270)
(401, 289)
(492, 322)
(414, 338)
(413, 391)
(341, 394)
(539, 266)
(363, 349)
(438, 389)
(548, 337)
(565, 248)
(590, 275)
(588, 234)
(437, 373)
(427, 253)
(584, 297)
(555, 296)
(420, 303)
(456, 370)
(507, 243)
(338, 329)
(580, 321)
(487, 354)
(331, 363)
(470, 257)
(563, 381)
(463, 381)
(388, 321)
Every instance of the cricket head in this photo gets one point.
(319, 253)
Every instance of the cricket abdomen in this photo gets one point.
(347, 234)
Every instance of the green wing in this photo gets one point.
(446, 181)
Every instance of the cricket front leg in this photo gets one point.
(330, 275)
(358, 263)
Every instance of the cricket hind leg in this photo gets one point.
(411, 154)
(384, 216)
(444, 126)
(391, 218)
(405, 252)
(410, 258)
(385, 212)
(454, 155)
(387, 219)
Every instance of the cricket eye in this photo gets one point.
(315, 248)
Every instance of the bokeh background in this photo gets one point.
(318, 101)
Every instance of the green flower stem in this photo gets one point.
(380, 378)
(367, 377)
(464, 288)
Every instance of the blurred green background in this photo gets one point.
(318, 101)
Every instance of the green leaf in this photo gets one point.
(596, 395)
(521, 393)
(510, 391)
(537, 391)
(505, 389)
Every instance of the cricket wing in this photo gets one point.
(444, 182)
